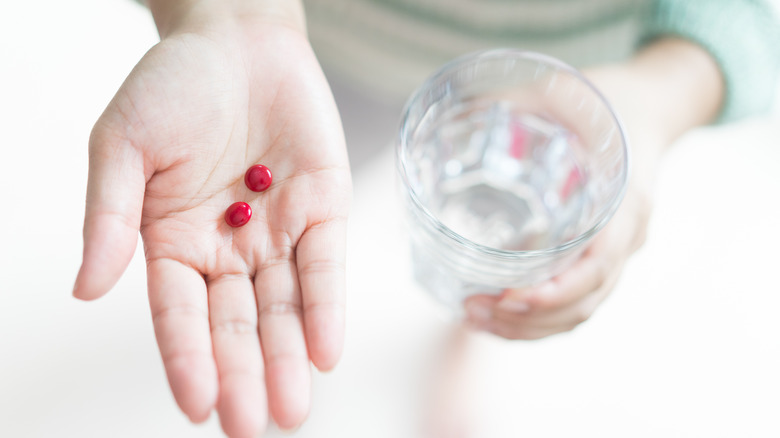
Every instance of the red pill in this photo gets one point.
(238, 214)
(258, 178)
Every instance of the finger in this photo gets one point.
(520, 332)
(481, 314)
(535, 325)
(321, 256)
(479, 310)
(563, 318)
(179, 304)
(242, 396)
(288, 376)
(585, 276)
(531, 327)
(115, 192)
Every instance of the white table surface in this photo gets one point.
(687, 345)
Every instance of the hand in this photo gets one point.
(238, 312)
(563, 302)
(671, 86)
(560, 304)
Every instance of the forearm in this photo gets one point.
(174, 16)
(669, 87)
(680, 84)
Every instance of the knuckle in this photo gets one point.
(279, 308)
(130, 220)
(234, 326)
(284, 358)
(251, 373)
(324, 305)
(184, 310)
(321, 266)
(274, 262)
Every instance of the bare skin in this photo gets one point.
(239, 313)
(668, 88)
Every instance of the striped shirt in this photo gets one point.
(391, 46)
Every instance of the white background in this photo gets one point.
(688, 345)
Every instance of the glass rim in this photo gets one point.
(402, 147)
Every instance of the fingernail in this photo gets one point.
(514, 306)
(478, 313)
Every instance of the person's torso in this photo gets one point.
(390, 46)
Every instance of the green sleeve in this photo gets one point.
(743, 36)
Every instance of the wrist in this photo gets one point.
(181, 16)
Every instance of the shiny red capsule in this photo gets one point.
(258, 178)
(238, 214)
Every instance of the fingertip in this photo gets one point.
(290, 421)
(199, 418)
(76, 291)
(86, 290)
(325, 338)
(327, 361)
(108, 250)
(289, 392)
(242, 411)
(194, 386)
(85, 296)
(115, 195)
(291, 430)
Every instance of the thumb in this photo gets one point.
(115, 192)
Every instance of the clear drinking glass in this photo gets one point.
(509, 161)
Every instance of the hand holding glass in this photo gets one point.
(510, 161)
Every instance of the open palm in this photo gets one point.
(238, 312)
